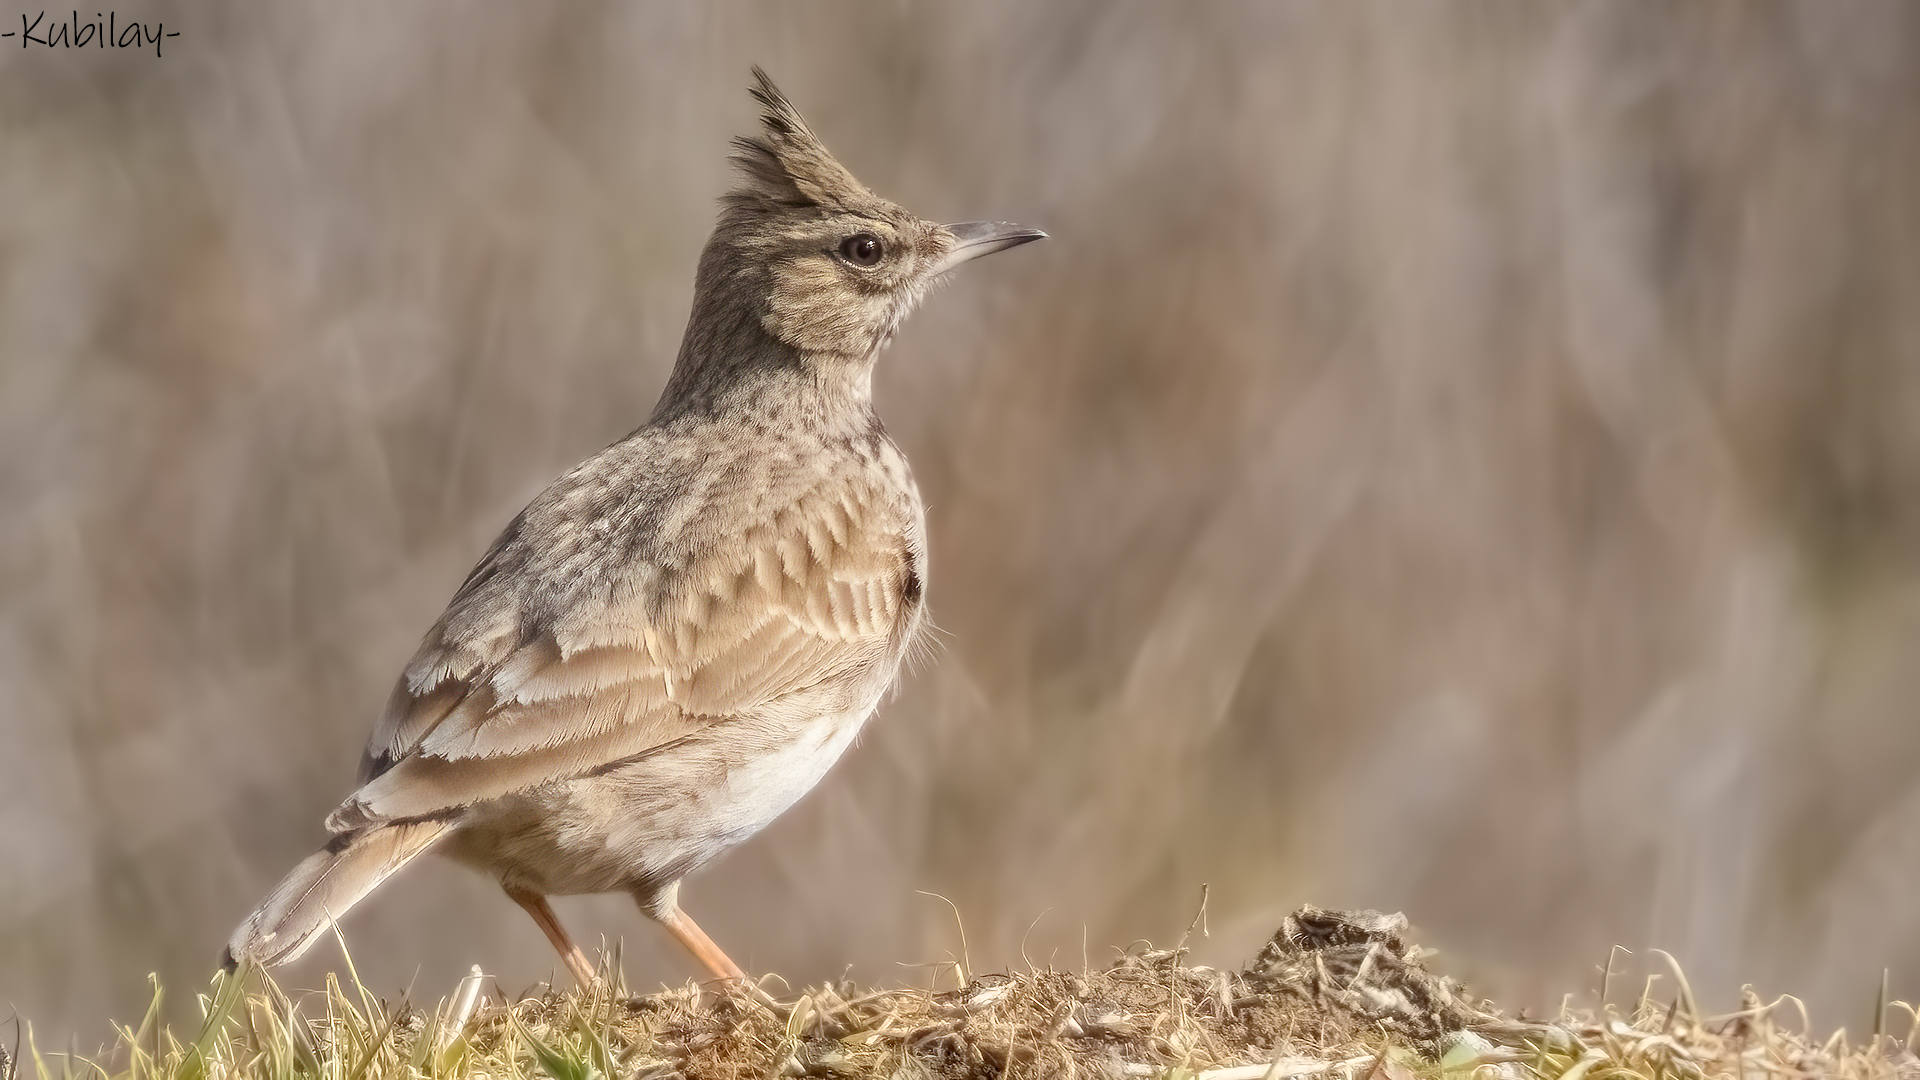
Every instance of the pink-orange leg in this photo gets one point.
(542, 913)
(663, 906)
(680, 925)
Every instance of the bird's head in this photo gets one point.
(819, 262)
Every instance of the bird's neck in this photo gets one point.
(731, 368)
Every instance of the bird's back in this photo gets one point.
(697, 572)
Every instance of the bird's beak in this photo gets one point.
(973, 239)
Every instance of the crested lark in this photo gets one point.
(674, 641)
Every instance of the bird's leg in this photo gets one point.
(700, 945)
(663, 907)
(542, 913)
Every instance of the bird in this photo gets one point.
(674, 641)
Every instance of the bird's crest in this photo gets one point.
(788, 165)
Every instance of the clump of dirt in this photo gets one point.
(1360, 967)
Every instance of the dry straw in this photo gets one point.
(1341, 995)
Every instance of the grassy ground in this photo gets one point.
(1337, 994)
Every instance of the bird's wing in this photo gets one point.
(497, 701)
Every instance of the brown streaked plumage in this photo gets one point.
(674, 641)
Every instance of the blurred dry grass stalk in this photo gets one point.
(1460, 458)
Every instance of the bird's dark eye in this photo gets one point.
(861, 249)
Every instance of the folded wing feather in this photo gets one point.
(813, 592)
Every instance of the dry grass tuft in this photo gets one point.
(1342, 995)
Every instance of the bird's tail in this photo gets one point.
(324, 886)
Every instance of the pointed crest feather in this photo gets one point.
(787, 164)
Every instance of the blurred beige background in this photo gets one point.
(1460, 458)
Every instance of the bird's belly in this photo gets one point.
(644, 825)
